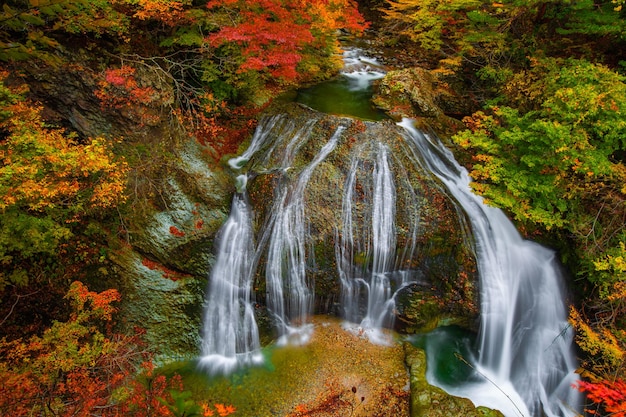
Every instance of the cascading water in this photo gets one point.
(290, 296)
(366, 247)
(230, 333)
(231, 336)
(360, 70)
(525, 359)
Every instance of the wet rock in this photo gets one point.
(430, 236)
(163, 303)
(165, 268)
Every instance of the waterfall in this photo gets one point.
(289, 294)
(524, 365)
(231, 336)
(366, 247)
(260, 136)
(525, 359)
(360, 70)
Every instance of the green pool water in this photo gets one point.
(257, 391)
(447, 348)
(338, 97)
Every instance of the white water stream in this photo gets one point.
(289, 294)
(230, 334)
(365, 247)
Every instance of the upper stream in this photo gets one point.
(348, 94)
(522, 361)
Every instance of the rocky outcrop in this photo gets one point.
(430, 233)
(424, 95)
(161, 246)
(163, 272)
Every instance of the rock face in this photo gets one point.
(179, 197)
(424, 95)
(429, 235)
(163, 272)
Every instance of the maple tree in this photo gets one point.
(273, 34)
(121, 90)
(609, 395)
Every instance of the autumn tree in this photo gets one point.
(608, 396)
(492, 39)
(73, 368)
(273, 35)
(541, 164)
(30, 29)
(49, 181)
(79, 368)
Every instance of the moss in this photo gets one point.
(167, 307)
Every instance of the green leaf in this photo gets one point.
(32, 19)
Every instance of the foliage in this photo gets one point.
(485, 33)
(540, 165)
(121, 90)
(493, 37)
(43, 168)
(48, 182)
(602, 19)
(605, 353)
(430, 23)
(272, 34)
(77, 369)
(153, 394)
(73, 368)
(610, 274)
(611, 396)
(28, 27)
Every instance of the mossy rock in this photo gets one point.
(422, 95)
(429, 401)
(166, 304)
(163, 269)
(427, 220)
